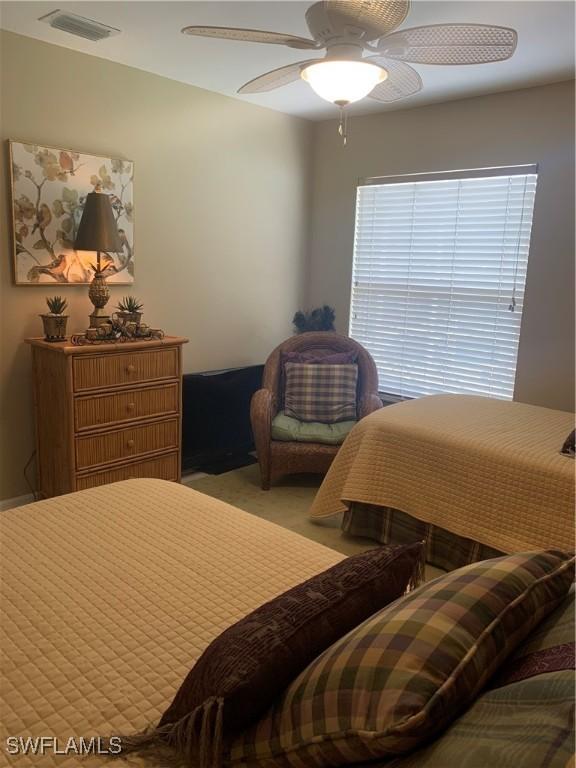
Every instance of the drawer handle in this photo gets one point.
(130, 444)
(130, 368)
(131, 406)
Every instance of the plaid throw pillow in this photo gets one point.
(403, 675)
(324, 393)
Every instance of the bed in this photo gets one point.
(474, 476)
(109, 595)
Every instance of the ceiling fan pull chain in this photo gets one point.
(343, 125)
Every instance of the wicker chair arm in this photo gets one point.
(262, 410)
(368, 404)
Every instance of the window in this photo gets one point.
(438, 279)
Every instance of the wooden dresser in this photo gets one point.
(106, 412)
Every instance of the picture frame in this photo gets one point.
(48, 189)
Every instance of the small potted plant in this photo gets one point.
(55, 321)
(130, 310)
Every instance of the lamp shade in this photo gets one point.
(97, 230)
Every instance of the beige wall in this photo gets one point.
(221, 202)
(535, 125)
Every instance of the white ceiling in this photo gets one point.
(151, 41)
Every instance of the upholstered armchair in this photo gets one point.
(278, 457)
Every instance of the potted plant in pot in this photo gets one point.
(130, 310)
(55, 321)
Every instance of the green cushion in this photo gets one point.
(286, 428)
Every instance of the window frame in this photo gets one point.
(409, 178)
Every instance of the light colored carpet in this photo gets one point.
(286, 504)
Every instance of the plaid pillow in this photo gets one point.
(527, 720)
(403, 675)
(324, 393)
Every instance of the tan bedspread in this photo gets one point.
(485, 469)
(109, 595)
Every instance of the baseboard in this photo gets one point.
(18, 501)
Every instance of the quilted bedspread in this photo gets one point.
(488, 470)
(109, 595)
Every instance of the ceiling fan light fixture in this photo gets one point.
(343, 82)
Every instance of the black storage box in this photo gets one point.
(216, 432)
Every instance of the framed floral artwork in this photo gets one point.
(49, 188)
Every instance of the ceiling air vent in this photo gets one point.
(78, 25)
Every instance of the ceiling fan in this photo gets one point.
(347, 29)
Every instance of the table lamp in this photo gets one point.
(98, 232)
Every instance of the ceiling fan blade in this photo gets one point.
(450, 44)
(376, 15)
(252, 36)
(402, 80)
(276, 78)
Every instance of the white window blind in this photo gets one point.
(438, 279)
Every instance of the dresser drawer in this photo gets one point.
(125, 405)
(122, 444)
(161, 467)
(113, 370)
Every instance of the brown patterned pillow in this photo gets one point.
(244, 669)
(322, 393)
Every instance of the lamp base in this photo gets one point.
(98, 318)
(98, 293)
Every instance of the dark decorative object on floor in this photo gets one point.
(319, 319)
(216, 432)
